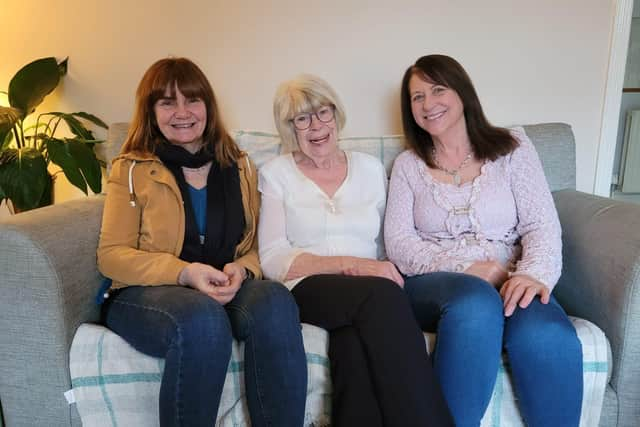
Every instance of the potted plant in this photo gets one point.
(27, 150)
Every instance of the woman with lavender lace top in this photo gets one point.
(471, 221)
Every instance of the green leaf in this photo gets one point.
(47, 194)
(88, 164)
(24, 177)
(89, 142)
(75, 125)
(78, 162)
(6, 137)
(9, 116)
(7, 156)
(90, 117)
(60, 154)
(33, 82)
(42, 127)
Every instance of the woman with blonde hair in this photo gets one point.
(319, 232)
(179, 242)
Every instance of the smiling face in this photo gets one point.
(436, 108)
(320, 139)
(182, 120)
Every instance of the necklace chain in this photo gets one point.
(455, 173)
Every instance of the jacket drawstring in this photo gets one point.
(132, 196)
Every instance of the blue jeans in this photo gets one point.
(544, 352)
(193, 333)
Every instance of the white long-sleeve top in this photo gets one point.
(296, 216)
(505, 214)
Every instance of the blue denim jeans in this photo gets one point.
(544, 352)
(193, 333)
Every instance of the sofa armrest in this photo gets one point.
(49, 282)
(600, 282)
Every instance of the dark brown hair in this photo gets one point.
(144, 133)
(488, 142)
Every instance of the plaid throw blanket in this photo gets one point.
(114, 385)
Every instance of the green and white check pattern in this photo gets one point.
(114, 385)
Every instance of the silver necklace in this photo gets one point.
(455, 173)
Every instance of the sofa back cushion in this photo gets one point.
(553, 141)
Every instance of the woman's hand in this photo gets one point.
(219, 285)
(236, 274)
(520, 290)
(491, 271)
(371, 267)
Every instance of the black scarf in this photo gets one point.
(225, 213)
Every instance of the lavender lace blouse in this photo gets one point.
(505, 214)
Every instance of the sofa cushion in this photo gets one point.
(556, 148)
(553, 141)
(114, 384)
(264, 146)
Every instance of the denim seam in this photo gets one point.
(249, 320)
(177, 326)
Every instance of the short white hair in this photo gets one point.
(302, 94)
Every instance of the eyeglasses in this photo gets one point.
(303, 120)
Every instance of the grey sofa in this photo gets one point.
(48, 283)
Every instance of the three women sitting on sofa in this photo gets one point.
(179, 240)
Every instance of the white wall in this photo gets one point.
(531, 61)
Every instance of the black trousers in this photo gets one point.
(380, 370)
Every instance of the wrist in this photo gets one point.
(182, 277)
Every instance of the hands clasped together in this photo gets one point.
(222, 286)
(517, 289)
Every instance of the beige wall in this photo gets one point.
(532, 61)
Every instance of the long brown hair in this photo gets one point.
(144, 133)
(488, 142)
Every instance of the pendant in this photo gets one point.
(456, 179)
